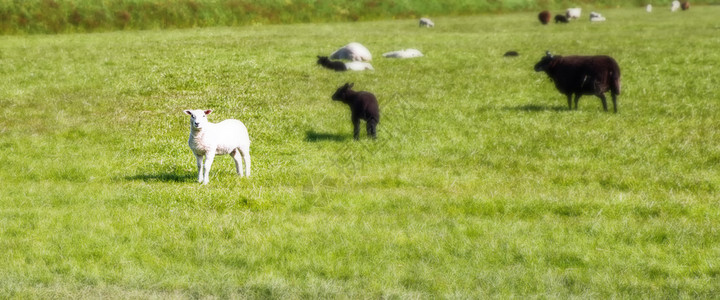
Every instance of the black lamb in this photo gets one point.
(583, 75)
(330, 64)
(363, 105)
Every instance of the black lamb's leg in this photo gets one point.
(356, 128)
(371, 128)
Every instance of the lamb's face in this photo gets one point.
(198, 117)
(341, 92)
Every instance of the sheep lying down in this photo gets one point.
(405, 53)
(353, 51)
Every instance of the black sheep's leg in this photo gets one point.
(569, 96)
(614, 99)
(577, 98)
(604, 100)
(356, 128)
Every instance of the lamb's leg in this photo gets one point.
(356, 128)
(246, 158)
(370, 127)
(577, 98)
(200, 167)
(604, 100)
(236, 157)
(209, 157)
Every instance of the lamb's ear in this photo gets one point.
(547, 53)
(207, 112)
(350, 85)
(188, 112)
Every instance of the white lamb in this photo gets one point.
(209, 139)
(425, 22)
(675, 6)
(648, 8)
(358, 66)
(353, 51)
(405, 53)
(573, 13)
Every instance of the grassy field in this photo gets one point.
(74, 16)
(481, 182)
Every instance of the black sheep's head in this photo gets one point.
(322, 59)
(544, 62)
(342, 91)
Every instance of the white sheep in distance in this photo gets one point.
(573, 13)
(425, 22)
(353, 51)
(405, 53)
(596, 17)
(209, 139)
(648, 8)
(675, 6)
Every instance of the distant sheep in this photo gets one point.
(343, 66)
(405, 53)
(648, 8)
(675, 6)
(583, 75)
(596, 17)
(544, 17)
(209, 139)
(363, 106)
(561, 19)
(425, 22)
(685, 5)
(352, 51)
(573, 13)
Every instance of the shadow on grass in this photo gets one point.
(164, 177)
(312, 136)
(536, 108)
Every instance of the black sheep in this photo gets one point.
(363, 105)
(544, 17)
(561, 19)
(333, 65)
(583, 75)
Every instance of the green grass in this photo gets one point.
(72, 16)
(481, 183)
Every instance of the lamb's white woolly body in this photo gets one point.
(209, 139)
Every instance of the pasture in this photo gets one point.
(480, 184)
